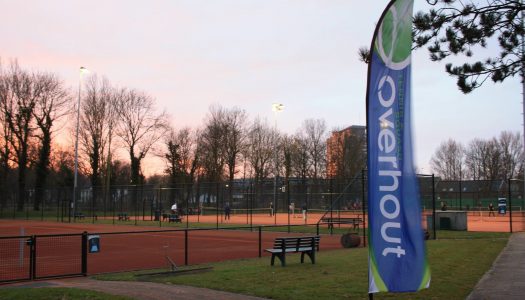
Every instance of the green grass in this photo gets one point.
(456, 264)
(55, 293)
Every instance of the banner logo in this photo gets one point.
(394, 39)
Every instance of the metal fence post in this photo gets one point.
(186, 246)
(260, 241)
(510, 206)
(363, 203)
(42, 207)
(460, 191)
(84, 250)
(288, 200)
(217, 204)
(433, 207)
(32, 257)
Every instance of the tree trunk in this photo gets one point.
(42, 169)
(22, 179)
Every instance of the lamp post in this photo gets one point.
(523, 92)
(82, 71)
(276, 108)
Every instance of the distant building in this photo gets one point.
(345, 151)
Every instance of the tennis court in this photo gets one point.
(125, 248)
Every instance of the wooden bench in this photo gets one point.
(355, 222)
(123, 217)
(304, 244)
(174, 218)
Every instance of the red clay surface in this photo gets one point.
(131, 251)
(139, 250)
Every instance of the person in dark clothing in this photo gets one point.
(227, 211)
(491, 210)
(305, 210)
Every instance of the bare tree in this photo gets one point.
(288, 146)
(18, 106)
(235, 138)
(315, 137)
(474, 157)
(260, 149)
(300, 157)
(182, 157)
(213, 143)
(62, 165)
(6, 135)
(511, 154)
(447, 161)
(53, 103)
(483, 159)
(93, 123)
(179, 154)
(140, 127)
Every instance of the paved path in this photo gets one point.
(506, 277)
(139, 290)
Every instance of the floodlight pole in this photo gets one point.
(277, 108)
(74, 203)
(523, 96)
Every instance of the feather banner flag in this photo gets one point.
(397, 253)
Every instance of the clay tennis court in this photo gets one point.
(135, 249)
(129, 247)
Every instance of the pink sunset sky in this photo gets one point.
(247, 53)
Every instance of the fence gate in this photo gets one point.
(15, 258)
(58, 255)
(42, 256)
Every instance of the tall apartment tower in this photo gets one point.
(340, 146)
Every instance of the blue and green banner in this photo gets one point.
(397, 254)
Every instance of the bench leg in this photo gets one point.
(281, 257)
(310, 254)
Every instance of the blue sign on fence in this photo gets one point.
(502, 206)
(94, 243)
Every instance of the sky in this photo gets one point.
(190, 54)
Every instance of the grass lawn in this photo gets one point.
(456, 265)
(54, 294)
